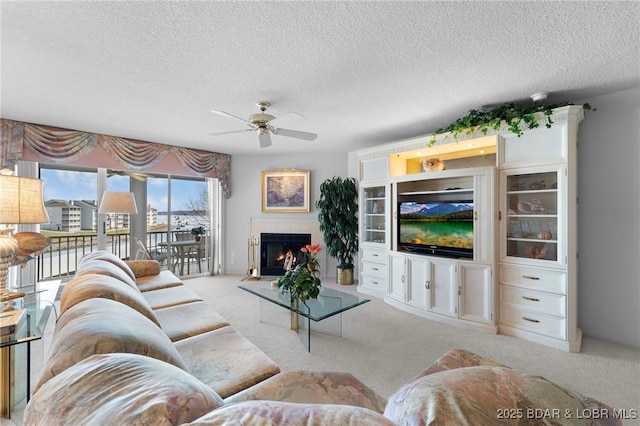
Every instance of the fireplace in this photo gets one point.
(274, 248)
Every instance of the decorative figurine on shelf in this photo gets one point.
(535, 252)
(537, 185)
(431, 165)
(532, 206)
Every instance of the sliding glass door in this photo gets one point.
(170, 209)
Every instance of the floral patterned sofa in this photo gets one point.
(134, 346)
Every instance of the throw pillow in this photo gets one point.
(144, 268)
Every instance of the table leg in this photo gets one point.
(28, 370)
(5, 368)
(181, 254)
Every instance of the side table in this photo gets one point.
(37, 306)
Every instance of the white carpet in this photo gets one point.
(384, 347)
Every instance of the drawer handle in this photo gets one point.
(530, 277)
(533, 299)
(375, 269)
(427, 285)
(530, 319)
(374, 255)
(375, 282)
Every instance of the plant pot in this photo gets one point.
(344, 276)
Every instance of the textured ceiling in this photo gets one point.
(361, 73)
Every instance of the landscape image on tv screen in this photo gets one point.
(443, 224)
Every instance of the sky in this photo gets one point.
(70, 185)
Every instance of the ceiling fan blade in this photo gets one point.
(295, 134)
(265, 139)
(230, 132)
(226, 114)
(288, 114)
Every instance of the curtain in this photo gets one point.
(63, 146)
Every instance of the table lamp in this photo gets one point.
(21, 202)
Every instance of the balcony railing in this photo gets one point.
(63, 255)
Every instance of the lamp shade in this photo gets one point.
(22, 200)
(118, 202)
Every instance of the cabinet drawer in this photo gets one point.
(534, 278)
(374, 269)
(534, 322)
(534, 301)
(374, 255)
(376, 283)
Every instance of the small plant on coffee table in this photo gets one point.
(301, 283)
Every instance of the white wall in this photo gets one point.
(243, 206)
(609, 218)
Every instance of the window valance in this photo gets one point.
(45, 144)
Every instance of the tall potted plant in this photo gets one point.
(338, 217)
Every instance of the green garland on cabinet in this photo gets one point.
(510, 113)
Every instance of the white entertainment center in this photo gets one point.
(508, 264)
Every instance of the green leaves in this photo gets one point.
(302, 283)
(510, 114)
(338, 217)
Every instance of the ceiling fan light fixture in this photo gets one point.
(260, 123)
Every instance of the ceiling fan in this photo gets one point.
(261, 123)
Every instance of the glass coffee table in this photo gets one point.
(325, 311)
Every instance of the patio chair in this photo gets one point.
(143, 252)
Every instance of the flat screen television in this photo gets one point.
(439, 228)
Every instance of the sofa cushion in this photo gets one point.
(189, 319)
(99, 326)
(456, 358)
(483, 395)
(122, 389)
(143, 268)
(164, 279)
(271, 413)
(107, 257)
(104, 267)
(88, 286)
(225, 360)
(313, 388)
(171, 296)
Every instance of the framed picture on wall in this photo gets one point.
(285, 191)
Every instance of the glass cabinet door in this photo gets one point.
(533, 208)
(374, 210)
